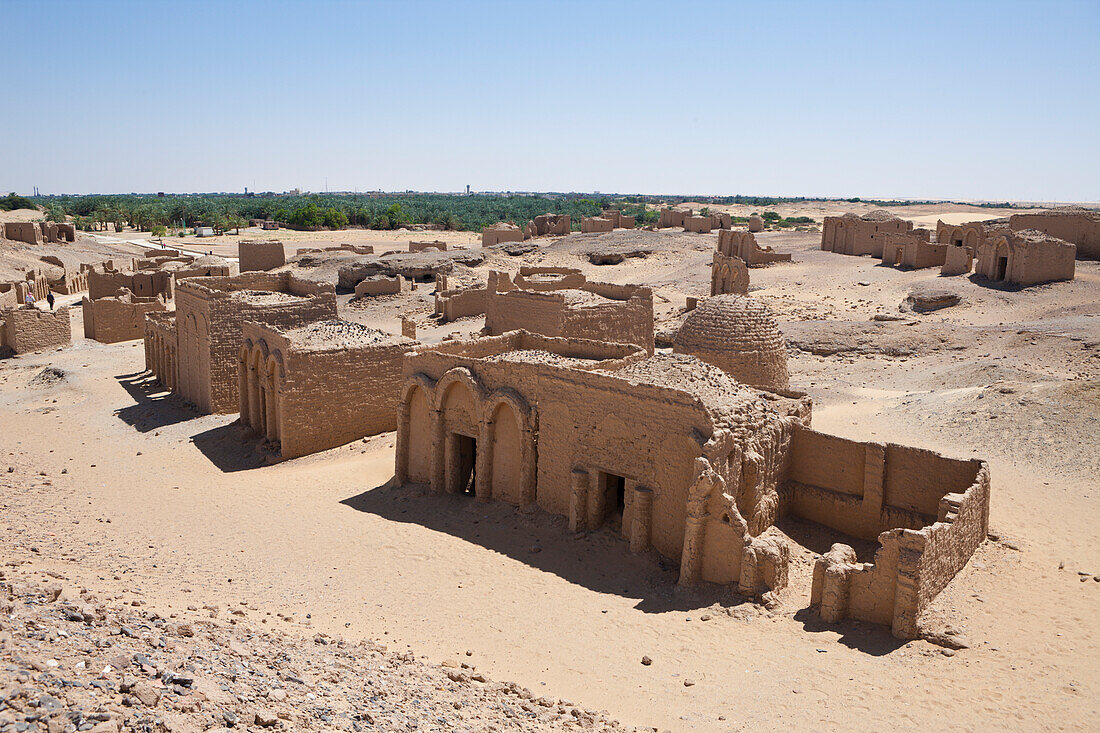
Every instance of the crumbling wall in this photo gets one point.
(913, 250)
(381, 285)
(591, 224)
(743, 245)
(502, 232)
(160, 347)
(435, 245)
(1076, 226)
(23, 231)
(900, 496)
(460, 303)
(728, 275)
(118, 318)
(625, 315)
(259, 256)
(25, 329)
(672, 218)
(698, 224)
(552, 224)
(957, 260)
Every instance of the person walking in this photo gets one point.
(49, 298)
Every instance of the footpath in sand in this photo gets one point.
(127, 493)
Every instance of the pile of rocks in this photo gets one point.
(71, 662)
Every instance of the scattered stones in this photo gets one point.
(195, 673)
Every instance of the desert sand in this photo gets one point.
(119, 488)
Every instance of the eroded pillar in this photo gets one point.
(578, 500)
(641, 519)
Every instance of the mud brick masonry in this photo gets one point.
(25, 329)
(676, 456)
(118, 318)
(287, 380)
(209, 314)
(861, 235)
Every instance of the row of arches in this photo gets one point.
(260, 378)
(193, 366)
(728, 275)
(458, 437)
(160, 358)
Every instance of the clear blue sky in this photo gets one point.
(961, 99)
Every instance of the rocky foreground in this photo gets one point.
(70, 661)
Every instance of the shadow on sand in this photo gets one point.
(597, 560)
(155, 408)
(228, 448)
(865, 637)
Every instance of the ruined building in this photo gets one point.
(24, 329)
(260, 255)
(552, 224)
(31, 232)
(147, 283)
(743, 244)
(861, 235)
(913, 250)
(209, 314)
(120, 317)
(502, 232)
(160, 348)
(672, 218)
(728, 272)
(591, 224)
(675, 456)
(698, 224)
(1071, 224)
(287, 379)
(601, 311)
(1025, 257)
(205, 266)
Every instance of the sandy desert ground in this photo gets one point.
(123, 490)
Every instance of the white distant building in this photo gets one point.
(204, 231)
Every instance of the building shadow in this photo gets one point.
(228, 448)
(154, 407)
(872, 639)
(1007, 287)
(597, 560)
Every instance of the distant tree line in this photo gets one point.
(314, 211)
(388, 211)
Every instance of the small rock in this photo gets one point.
(265, 719)
(647, 661)
(147, 692)
(689, 683)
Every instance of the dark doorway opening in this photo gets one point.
(614, 498)
(1002, 268)
(465, 462)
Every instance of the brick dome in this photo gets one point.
(737, 334)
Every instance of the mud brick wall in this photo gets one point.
(259, 256)
(30, 329)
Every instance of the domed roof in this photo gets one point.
(737, 334)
